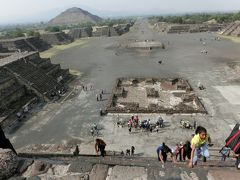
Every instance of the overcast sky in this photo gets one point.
(12, 11)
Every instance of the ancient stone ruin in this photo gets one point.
(186, 28)
(232, 29)
(23, 44)
(77, 33)
(56, 38)
(24, 76)
(153, 95)
(107, 31)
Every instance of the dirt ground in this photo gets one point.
(71, 120)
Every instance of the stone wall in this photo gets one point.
(56, 38)
(77, 33)
(186, 28)
(2, 49)
(10, 90)
(232, 29)
(116, 30)
(32, 75)
(23, 44)
(100, 31)
(8, 163)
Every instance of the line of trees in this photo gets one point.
(196, 18)
(19, 32)
(30, 31)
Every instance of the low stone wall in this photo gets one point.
(186, 28)
(77, 33)
(56, 38)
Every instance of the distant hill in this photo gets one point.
(74, 16)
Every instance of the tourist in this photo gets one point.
(237, 156)
(185, 151)
(95, 126)
(199, 145)
(97, 97)
(127, 152)
(150, 129)
(130, 129)
(100, 146)
(130, 122)
(100, 95)
(101, 112)
(25, 110)
(160, 122)
(132, 150)
(19, 115)
(194, 124)
(162, 152)
(76, 152)
(225, 152)
(177, 151)
(92, 132)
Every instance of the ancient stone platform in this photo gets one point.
(152, 95)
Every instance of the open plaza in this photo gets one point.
(101, 61)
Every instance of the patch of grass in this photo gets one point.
(232, 38)
(75, 72)
(57, 48)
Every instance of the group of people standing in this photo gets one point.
(99, 96)
(135, 122)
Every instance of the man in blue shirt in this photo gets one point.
(162, 152)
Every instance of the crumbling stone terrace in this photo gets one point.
(153, 95)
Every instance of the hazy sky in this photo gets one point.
(12, 11)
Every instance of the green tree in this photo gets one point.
(53, 28)
(15, 33)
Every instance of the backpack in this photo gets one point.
(233, 141)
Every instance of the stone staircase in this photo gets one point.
(230, 29)
(31, 45)
(10, 90)
(39, 44)
(236, 32)
(121, 168)
(34, 78)
(57, 38)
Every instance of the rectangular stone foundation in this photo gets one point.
(153, 95)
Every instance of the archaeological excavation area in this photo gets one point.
(152, 95)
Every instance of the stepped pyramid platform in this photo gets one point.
(56, 38)
(77, 33)
(25, 75)
(232, 29)
(23, 44)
